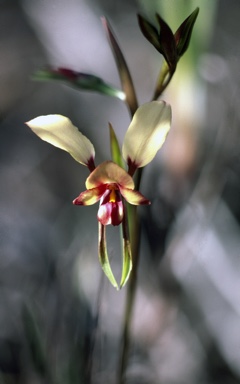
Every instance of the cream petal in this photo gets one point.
(59, 131)
(134, 197)
(90, 196)
(146, 133)
(109, 173)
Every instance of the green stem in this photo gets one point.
(164, 79)
(135, 238)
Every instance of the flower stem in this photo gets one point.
(164, 79)
(135, 229)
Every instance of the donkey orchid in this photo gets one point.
(110, 183)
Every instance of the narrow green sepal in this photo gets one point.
(79, 80)
(183, 34)
(127, 253)
(103, 256)
(127, 262)
(150, 32)
(167, 43)
(115, 149)
(124, 73)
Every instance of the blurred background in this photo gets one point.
(60, 319)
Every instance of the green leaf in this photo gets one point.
(79, 80)
(150, 32)
(167, 43)
(115, 149)
(184, 32)
(124, 74)
(127, 253)
(103, 256)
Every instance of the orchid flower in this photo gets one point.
(109, 183)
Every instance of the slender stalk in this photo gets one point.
(164, 79)
(135, 237)
(135, 230)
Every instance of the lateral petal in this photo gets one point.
(134, 197)
(109, 173)
(59, 131)
(146, 133)
(90, 196)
